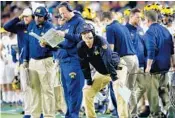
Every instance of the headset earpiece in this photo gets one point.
(65, 4)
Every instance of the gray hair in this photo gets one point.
(151, 15)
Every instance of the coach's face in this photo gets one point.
(27, 19)
(88, 38)
(39, 20)
(135, 18)
(65, 14)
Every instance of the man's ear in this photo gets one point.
(148, 21)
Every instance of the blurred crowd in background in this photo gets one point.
(90, 10)
(10, 9)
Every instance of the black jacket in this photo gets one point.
(102, 58)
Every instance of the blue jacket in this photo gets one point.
(14, 53)
(68, 48)
(138, 42)
(102, 58)
(33, 48)
(20, 28)
(159, 47)
(119, 35)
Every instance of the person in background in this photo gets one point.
(18, 25)
(120, 41)
(137, 38)
(160, 51)
(38, 59)
(71, 73)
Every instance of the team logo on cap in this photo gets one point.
(38, 10)
(72, 75)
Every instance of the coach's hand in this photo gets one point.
(43, 43)
(21, 17)
(61, 33)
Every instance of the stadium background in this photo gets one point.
(10, 9)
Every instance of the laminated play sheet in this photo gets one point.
(51, 37)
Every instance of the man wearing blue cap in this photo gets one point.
(96, 51)
(18, 25)
(39, 57)
(71, 73)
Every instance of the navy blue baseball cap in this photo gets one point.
(40, 11)
(87, 27)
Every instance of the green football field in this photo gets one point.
(14, 111)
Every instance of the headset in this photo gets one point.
(89, 27)
(92, 28)
(65, 4)
(46, 17)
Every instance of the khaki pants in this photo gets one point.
(158, 88)
(26, 90)
(141, 96)
(99, 82)
(58, 90)
(133, 67)
(155, 86)
(42, 84)
(122, 106)
(59, 99)
(129, 64)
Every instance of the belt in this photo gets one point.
(38, 58)
(127, 55)
(118, 68)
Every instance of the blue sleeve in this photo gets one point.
(110, 35)
(172, 45)
(72, 37)
(111, 61)
(12, 25)
(75, 36)
(26, 49)
(65, 44)
(14, 56)
(26, 46)
(150, 43)
(84, 63)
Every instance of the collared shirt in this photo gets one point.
(137, 39)
(159, 47)
(119, 35)
(33, 48)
